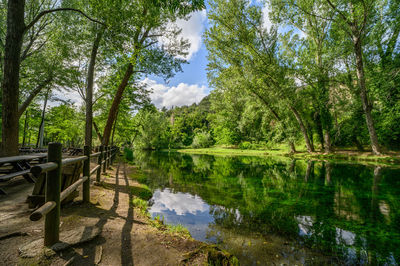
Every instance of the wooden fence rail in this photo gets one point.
(54, 195)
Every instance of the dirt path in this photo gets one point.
(126, 238)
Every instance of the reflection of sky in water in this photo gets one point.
(183, 208)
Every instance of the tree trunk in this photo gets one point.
(10, 86)
(96, 128)
(36, 91)
(327, 140)
(303, 129)
(39, 142)
(89, 90)
(25, 128)
(292, 147)
(113, 131)
(114, 107)
(320, 131)
(376, 149)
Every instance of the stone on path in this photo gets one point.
(68, 239)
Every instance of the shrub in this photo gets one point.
(202, 140)
(246, 145)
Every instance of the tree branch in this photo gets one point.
(36, 91)
(339, 12)
(41, 14)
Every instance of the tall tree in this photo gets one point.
(237, 38)
(150, 21)
(355, 19)
(16, 30)
(312, 56)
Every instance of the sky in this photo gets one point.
(190, 85)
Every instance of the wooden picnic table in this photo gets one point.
(19, 166)
(28, 158)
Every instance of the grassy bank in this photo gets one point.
(391, 158)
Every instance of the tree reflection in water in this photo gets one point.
(349, 211)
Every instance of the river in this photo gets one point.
(275, 209)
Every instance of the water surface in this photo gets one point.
(280, 210)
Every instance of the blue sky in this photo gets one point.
(193, 73)
(191, 84)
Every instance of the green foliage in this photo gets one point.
(152, 130)
(128, 154)
(142, 205)
(202, 140)
(65, 124)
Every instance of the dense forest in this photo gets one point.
(300, 74)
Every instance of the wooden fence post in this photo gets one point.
(99, 159)
(86, 172)
(53, 190)
(105, 159)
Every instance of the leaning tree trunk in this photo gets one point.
(114, 107)
(113, 130)
(376, 149)
(10, 86)
(89, 90)
(303, 129)
(96, 128)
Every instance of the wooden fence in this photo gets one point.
(53, 193)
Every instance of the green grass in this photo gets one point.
(392, 159)
(178, 229)
(232, 151)
(142, 191)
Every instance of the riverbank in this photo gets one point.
(112, 230)
(392, 158)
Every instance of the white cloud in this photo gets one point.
(266, 21)
(64, 95)
(265, 13)
(180, 203)
(183, 94)
(192, 30)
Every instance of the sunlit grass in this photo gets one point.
(281, 150)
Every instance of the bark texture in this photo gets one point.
(303, 129)
(112, 115)
(89, 89)
(10, 86)
(376, 149)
